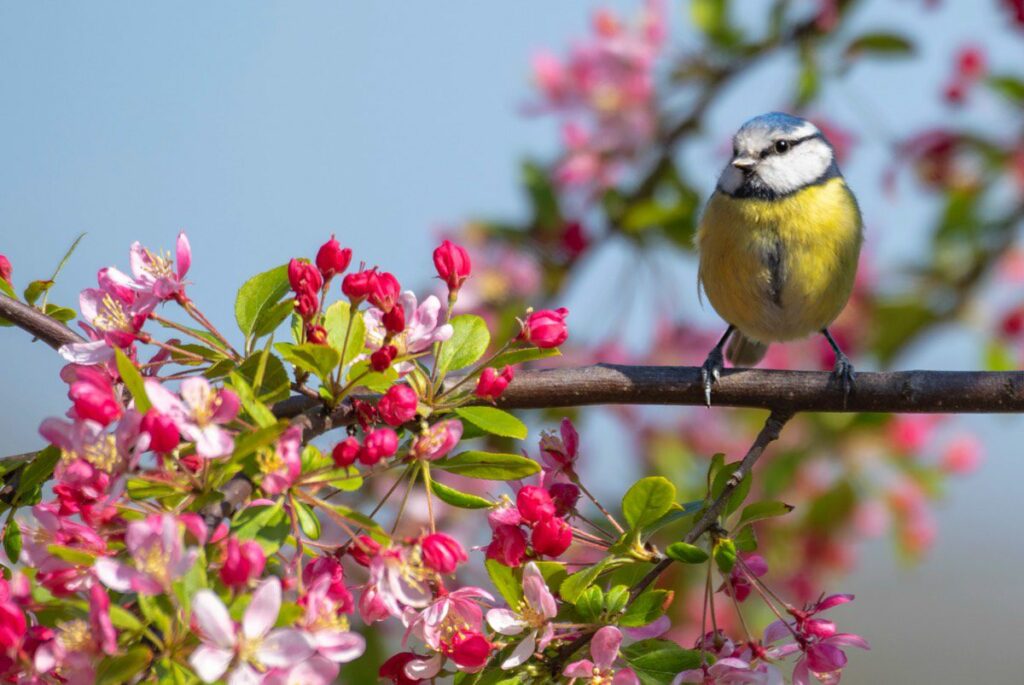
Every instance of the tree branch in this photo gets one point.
(43, 327)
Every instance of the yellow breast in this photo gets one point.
(780, 269)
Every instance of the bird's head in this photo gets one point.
(776, 154)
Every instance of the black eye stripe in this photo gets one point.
(791, 142)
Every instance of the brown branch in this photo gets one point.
(43, 327)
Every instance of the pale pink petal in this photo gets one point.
(213, 620)
(339, 646)
(87, 353)
(423, 669)
(184, 255)
(505, 621)
(114, 575)
(285, 647)
(655, 628)
(776, 630)
(166, 402)
(244, 674)
(212, 441)
(137, 261)
(604, 646)
(228, 405)
(546, 635)
(584, 668)
(209, 662)
(625, 677)
(849, 640)
(832, 601)
(536, 591)
(262, 611)
(522, 653)
(800, 673)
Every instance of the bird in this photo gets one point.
(778, 242)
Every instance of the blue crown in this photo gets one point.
(776, 121)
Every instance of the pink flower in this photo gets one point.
(378, 444)
(384, 290)
(93, 395)
(399, 581)
(551, 537)
(604, 649)
(442, 553)
(162, 432)
(326, 625)
(243, 561)
(508, 545)
(422, 328)
(12, 619)
(962, 455)
(453, 265)
(281, 467)
(156, 275)
(199, 413)
(331, 571)
(437, 441)
(346, 451)
(313, 671)
(534, 504)
(62, 578)
(739, 584)
(492, 384)
(453, 611)
(99, 620)
(560, 453)
(5, 269)
(731, 670)
(535, 615)
(817, 640)
(546, 328)
(398, 405)
(116, 317)
(155, 545)
(254, 646)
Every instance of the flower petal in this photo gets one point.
(184, 254)
(213, 619)
(505, 621)
(522, 653)
(261, 614)
(209, 662)
(285, 647)
(244, 674)
(87, 353)
(849, 640)
(114, 575)
(423, 669)
(604, 646)
(584, 668)
(339, 646)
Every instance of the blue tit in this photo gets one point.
(779, 242)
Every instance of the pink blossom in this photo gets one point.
(331, 571)
(604, 650)
(158, 553)
(422, 328)
(243, 561)
(535, 615)
(281, 467)
(739, 584)
(12, 619)
(62, 578)
(198, 413)
(399, 580)
(560, 452)
(313, 671)
(326, 625)
(962, 455)
(508, 545)
(442, 553)
(437, 440)
(817, 640)
(252, 647)
(93, 395)
(732, 670)
(157, 274)
(442, 618)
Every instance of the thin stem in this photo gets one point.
(405, 499)
(475, 372)
(430, 494)
(189, 332)
(173, 349)
(194, 312)
(607, 514)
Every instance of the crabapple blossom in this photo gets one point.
(243, 562)
(535, 614)
(283, 465)
(442, 553)
(93, 397)
(453, 264)
(604, 650)
(398, 405)
(551, 536)
(5, 269)
(492, 384)
(346, 451)
(546, 328)
(508, 546)
(378, 444)
(156, 274)
(198, 413)
(421, 331)
(332, 259)
(534, 504)
(158, 554)
(162, 431)
(437, 440)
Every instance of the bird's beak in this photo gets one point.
(744, 163)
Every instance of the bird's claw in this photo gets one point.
(710, 372)
(843, 374)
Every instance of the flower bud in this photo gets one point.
(505, 514)
(398, 405)
(394, 320)
(363, 549)
(551, 537)
(93, 396)
(452, 264)
(377, 445)
(442, 553)
(163, 434)
(5, 269)
(332, 259)
(384, 291)
(356, 286)
(346, 452)
(316, 334)
(242, 562)
(382, 358)
(394, 669)
(508, 546)
(492, 384)
(307, 304)
(437, 441)
(565, 496)
(546, 328)
(469, 650)
(304, 277)
(534, 504)
(330, 568)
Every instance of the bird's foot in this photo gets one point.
(843, 374)
(710, 372)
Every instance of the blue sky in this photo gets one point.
(261, 128)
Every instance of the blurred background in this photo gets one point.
(261, 129)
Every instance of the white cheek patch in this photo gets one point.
(804, 164)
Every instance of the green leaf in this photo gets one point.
(12, 538)
(505, 582)
(648, 500)
(808, 82)
(266, 524)
(468, 343)
(494, 421)
(72, 555)
(574, 585)
(62, 314)
(514, 357)
(270, 318)
(999, 357)
(762, 510)
(1010, 87)
(616, 598)
(746, 540)
(259, 412)
(658, 662)
(457, 498)
(316, 359)
(37, 472)
(123, 668)
(142, 488)
(712, 18)
(308, 521)
(590, 603)
(645, 609)
(251, 441)
(257, 295)
(880, 44)
(158, 611)
(675, 514)
(124, 619)
(274, 384)
(725, 554)
(738, 494)
(833, 508)
(489, 465)
(36, 289)
(336, 321)
(372, 380)
(132, 380)
(686, 553)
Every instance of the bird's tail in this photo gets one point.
(742, 351)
